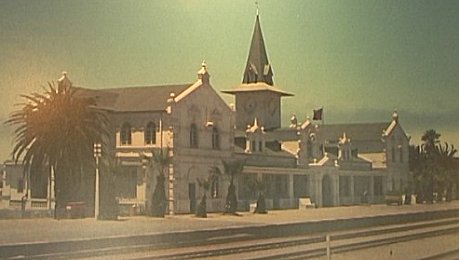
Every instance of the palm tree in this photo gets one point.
(232, 169)
(433, 166)
(108, 201)
(160, 161)
(418, 165)
(430, 138)
(446, 168)
(259, 185)
(57, 129)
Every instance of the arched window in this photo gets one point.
(150, 133)
(193, 136)
(125, 135)
(214, 187)
(215, 139)
(400, 150)
(393, 154)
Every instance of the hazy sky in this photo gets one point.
(359, 59)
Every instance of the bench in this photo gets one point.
(305, 203)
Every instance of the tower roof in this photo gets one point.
(258, 68)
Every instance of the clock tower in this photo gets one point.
(257, 97)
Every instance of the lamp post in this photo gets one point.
(97, 155)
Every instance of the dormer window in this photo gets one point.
(150, 133)
(193, 136)
(126, 134)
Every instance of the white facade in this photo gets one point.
(330, 164)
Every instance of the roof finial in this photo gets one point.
(256, 3)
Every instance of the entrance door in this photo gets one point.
(327, 191)
(192, 196)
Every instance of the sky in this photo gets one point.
(359, 59)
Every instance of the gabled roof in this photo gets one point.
(258, 68)
(356, 132)
(260, 86)
(134, 99)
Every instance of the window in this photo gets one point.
(215, 139)
(361, 185)
(193, 136)
(400, 150)
(125, 135)
(214, 190)
(244, 191)
(260, 146)
(378, 185)
(344, 186)
(20, 185)
(276, 186)
(393, 154)
(300, 186)
(126, 182)
(150, 133)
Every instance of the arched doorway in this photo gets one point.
(327, 191)
(191, 178)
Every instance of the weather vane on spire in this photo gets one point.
(256, 3)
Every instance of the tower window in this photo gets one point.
(193, 136)
(126, 134)
(215, 139)
(150, 133)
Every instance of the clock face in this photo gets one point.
(250, 106)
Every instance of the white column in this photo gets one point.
(96, 196)
(50, 196)
(171, 184)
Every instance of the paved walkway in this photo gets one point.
(40, 230)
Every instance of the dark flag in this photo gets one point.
(318, 114)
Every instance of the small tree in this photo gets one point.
(201, 211)
(160, 161)
(259, 185)
(433, 166)
(446, 168)
(232, 169)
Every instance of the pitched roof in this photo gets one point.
(258, 68)
(260, 86)
(356, 132)
(133, 99)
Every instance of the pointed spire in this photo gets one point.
(258, 68)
